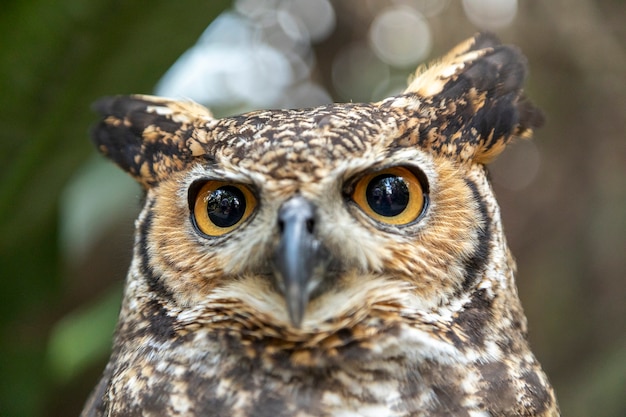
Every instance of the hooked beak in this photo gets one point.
(300, 257)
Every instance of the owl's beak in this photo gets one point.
(299, 257)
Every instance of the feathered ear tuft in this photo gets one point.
(148, 137)
(474, 99)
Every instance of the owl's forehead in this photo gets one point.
(293, 142)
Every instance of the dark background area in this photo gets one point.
(66, 217)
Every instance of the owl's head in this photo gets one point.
(305, 221)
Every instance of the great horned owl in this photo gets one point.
(344, 260)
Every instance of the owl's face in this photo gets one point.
(314, 220)
(306, 220)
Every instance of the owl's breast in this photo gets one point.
(400, 371)
(210, 374)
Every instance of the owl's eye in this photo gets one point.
(220, 207)
(392, 196)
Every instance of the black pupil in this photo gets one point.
(226, 206)
(387, 195)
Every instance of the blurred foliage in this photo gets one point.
(80, 338)
(60, 280)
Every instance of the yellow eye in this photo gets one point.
(392, 196)
(220, 207)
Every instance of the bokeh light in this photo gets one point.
(490, 14)
(258, 55)
(400, 36)
(228, 70)
(317, 16)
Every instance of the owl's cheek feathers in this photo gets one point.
(305, 248)
(324, 287)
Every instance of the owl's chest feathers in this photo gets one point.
(402, 371)
(228, 377)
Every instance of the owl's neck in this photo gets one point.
(373, 366)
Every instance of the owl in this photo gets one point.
(343, 260)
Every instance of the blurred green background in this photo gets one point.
(66, 216)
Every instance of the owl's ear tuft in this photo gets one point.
(148, 137)
(475, 94)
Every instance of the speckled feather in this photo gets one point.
(414, 320)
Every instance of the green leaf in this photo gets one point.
(83, 337)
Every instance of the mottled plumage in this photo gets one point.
(345, 260)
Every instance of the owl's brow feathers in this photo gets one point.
(469, 112)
